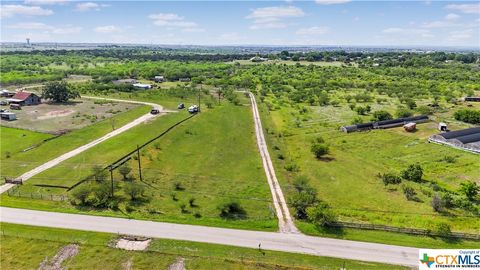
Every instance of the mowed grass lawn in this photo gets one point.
(16, 140)
(347, 179)
(213, 156)
(25, 247)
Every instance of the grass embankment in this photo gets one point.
(25, 247)
(213, 158)
(347, 178)
(16, 140)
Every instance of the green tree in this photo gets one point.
(381, 116)
(319, 149)
(302, 200)
(59, 92)
(414, 172)
(437, 203)
(134, 190)
(403, 112)
(124, 170)
(390, 178)
(99, 174)
(470, 189)
(321, 215)
(443, 229)
(232, 210)
(80, 194)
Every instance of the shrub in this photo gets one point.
(443, 229)
(390, 178)
(232, 210)
(302, 200)
(403, 112)
(124, 170)
(8, 154)
(424, 110)
(80, 194)
(437, 203)
(99, 174)
(468, 116)
(409, 192)
(381, 115)
(134, 190)
(191, 202)
(301, 183)
(470, 189)
(178, 186)
(449, 159)
(357, 120)
(320, 149)
(101, 195)
(414, 172)
(321, 215)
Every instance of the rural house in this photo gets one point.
(472, 99)
(24, 98)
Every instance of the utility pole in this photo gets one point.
(199, 94)
(139, 164)
(111, 178)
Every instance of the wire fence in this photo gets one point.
(413, 231)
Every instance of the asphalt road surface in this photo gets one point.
(296, 243)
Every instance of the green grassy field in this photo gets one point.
(35, 243)
(290, 62)
(347, 180)
(213, 156)
(13, 141)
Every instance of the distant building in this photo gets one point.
(159, 79)
(258, 59)
(24, 98)
(442, 126)
(6, 93)
(142, 85)
(385, 124)
(472, 99)
(184, 79)
(9, 116)
(125, 81)
(465, 139)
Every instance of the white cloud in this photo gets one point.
(315, 30)
(460, 35)
(45, 2)
(452, 17)
(107, 29)
(407, 32)
(68, 29)
(90, 6)
(438, 24)
(465, 8)
(8, 11)
(30, 25)
(172, 20)
(271, 17)
(331, 2)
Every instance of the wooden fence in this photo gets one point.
(366, 226)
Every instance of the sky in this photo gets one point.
(315, 22)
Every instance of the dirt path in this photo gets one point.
(179, 264)
(56, 262)
(285, 222)
(142, 119)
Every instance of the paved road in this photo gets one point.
(296, 243)
(91, 144)
(285, 222)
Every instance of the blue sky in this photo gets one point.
(320, 22)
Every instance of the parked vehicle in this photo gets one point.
(15, 107)
(154, 111)
(193, 109)
(181, 106)
(3, 102)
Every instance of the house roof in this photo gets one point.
(21, 96)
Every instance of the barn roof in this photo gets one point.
(459, 133)
(475, 137)
(22, 95)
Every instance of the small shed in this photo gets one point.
(159, 79)
(9, 116)
(142, 85)
(409, 127)
(442, 126)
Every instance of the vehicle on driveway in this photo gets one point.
(181, 106)
(193, 109)
(155, 111)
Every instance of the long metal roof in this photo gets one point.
(459, 133)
